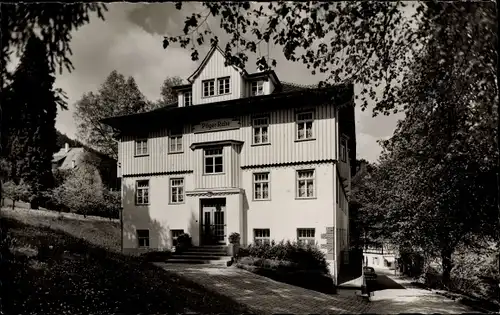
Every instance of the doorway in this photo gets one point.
(213, 221)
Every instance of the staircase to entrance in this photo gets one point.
(204, 254)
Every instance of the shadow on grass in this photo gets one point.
(62, 274)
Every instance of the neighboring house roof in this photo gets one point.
(73, 154)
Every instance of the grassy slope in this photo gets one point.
(80, 276)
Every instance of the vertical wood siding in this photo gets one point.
(282, 149)
(215, 69)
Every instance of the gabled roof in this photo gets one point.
(207, 58)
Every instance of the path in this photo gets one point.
(267, 296)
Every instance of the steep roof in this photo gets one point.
(66, 157)
(205, 61)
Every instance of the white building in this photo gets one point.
(242, 153)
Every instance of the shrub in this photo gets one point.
(307, 257)
(234, 238)
(184, 240)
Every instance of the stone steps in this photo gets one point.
(207, 254)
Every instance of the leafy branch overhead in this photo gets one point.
(372, 43)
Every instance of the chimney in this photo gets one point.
(66, 147)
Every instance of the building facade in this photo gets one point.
(243, 153)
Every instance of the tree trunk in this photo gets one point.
(447, 266)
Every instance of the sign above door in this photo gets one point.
(217, 125)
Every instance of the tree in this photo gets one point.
(34, 108)
(167, 94)
(82, 191)
(117, 96)
(62, 139)
(16, 192)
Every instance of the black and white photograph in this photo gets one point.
(248, 157)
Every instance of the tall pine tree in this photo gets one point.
(33, 103)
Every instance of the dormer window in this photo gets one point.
(224, 85)
(188, 97)
(257, 88)
(208, 88)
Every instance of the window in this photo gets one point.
(143, 238)
(346, 257)
(208, 88)
(304, 126)
(306, 236)
(188, 98)
(305, 184)
(224, 85)
(257, 88)
(177, 190)
(175, 141)
(262, 236)
(260, 130)
(261, 186)
(343, 150)
(213, 161)
(141, 147)
(142, 192)
(175, 235)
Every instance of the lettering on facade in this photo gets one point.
(216, 125)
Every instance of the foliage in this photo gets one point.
(82, 191)
(62, 139)
(15, 191)
(167, 94)
(81, 278)
(53, 21)
(60, 175)
(305, 257)
(184, 240)
(444, 197)
(32, 105)
(234, 238)
(111, 204)
(116, 96)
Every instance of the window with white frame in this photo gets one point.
(306, 236)
(141, 147)
(260, 130)
(305, 184)
(262, 236)
(304, 126)
(213, 161)
(338, 191)
(175, 235)
(188, 98)
(175, 141)
(142, 192)
(224, 85)
(261, 186)
(176, 190)
(142, 238)
(343, 150)
(208, 87)
(257, 88)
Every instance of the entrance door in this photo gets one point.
(214, 224)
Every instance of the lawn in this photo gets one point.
(55, 269)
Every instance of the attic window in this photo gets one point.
(188, 98)
(257, 88)
(208, 88)
(224, 85)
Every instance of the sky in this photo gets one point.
(130, 41)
